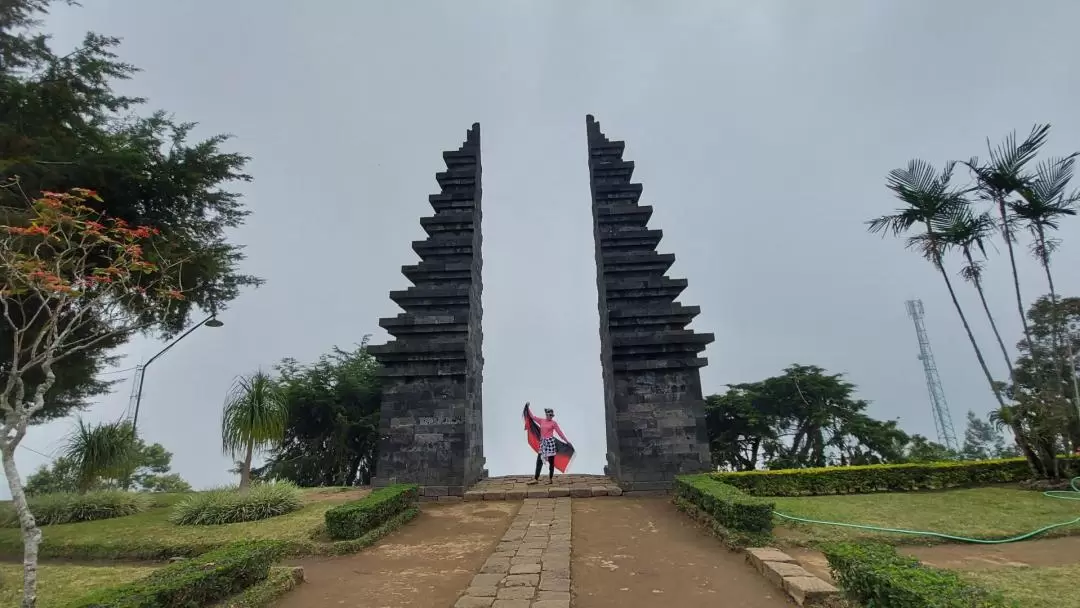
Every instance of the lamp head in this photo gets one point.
(213, 323)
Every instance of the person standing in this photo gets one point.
(548, 446)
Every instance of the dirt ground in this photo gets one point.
(1038, 553)
(425, 564)
(643, 553)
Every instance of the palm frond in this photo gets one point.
(101, 451)
(1008, 159)
(926, 194)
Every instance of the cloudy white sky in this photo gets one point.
(762, 132)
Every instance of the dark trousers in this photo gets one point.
(540, 466)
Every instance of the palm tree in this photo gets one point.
(968, 231)
(254, 416)
(930, 201)
(102, 451)
(999, 179)
(1042, 206)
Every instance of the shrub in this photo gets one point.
(728, 505)
(52, 509)
(875, 575)
(878, 478)
(199, 581)
(230, 505)
(354, 519)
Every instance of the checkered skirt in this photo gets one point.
(547, 447)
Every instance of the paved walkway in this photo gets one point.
(644, 553)
(517, 487)
(530, 568)
(425, 564)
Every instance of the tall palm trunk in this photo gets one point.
(990, 316)
(963, 319)
(1007, 233)
(1059, 322)
(245, 471)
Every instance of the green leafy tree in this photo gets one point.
(803, 418)
(920, 449)
(254, 417)
(62, 125)
(982, 440)
(149, 471)
(332, 434)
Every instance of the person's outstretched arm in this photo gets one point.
(559, 432)
(534, 417)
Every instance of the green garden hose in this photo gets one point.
(1073, 494)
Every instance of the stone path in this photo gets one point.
(517, 487)
(530, 568)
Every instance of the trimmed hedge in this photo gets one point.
(879, 478)
(876, 575)
(199, 581)
(53, 509)
(355, 519)
(728, 505)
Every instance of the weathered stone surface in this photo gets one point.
(481, 592)
(652, 388)
(516, 593)
(554, 584)
(431, 413)
(470, 601)
(757, 556)
(473, 496)
(562, 596)
(776, 572)
(809, 590)
(511, 604)
(486, 580)
(521, 580)
(560, 603)
(531, 568)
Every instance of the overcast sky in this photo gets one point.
(762, 132)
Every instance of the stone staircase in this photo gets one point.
(516, 487)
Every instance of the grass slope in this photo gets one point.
(991, 512)
(1048, 587)
(151, 536)
(59, 585)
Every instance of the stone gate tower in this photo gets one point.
(653, 401)
(431, 424)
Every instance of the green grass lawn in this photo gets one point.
(1048, 587)
(991, 512)
(59, 585)
(151, 536)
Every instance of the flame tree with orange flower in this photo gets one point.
(72, 279)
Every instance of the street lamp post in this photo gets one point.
(210, 321)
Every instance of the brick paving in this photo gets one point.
(530, 567)
(517, 487)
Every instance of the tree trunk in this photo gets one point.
(1059, 329)
(971, 336)
(31, 533)
(1007, 232)
(990, 317)
(245, 471)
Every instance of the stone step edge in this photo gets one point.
(784, 571)
(590, 492)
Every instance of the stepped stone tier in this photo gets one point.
(652, 388)
(431, 425)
